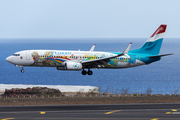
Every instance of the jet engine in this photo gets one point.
(71, 66)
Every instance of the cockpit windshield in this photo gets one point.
(16, 54)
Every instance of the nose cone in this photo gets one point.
(9, 59)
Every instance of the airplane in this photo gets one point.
(81, 60)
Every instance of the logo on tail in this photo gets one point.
(153, 44)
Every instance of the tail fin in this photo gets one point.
(153, 44)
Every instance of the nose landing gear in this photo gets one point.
(89, 72)
(22, 70)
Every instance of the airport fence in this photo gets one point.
(79, 95)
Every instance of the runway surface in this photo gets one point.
(92, 112)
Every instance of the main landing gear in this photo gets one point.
(89, 72)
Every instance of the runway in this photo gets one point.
(94, 112)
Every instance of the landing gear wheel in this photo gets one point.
(90, 72)
(22, 70)
(83, 72)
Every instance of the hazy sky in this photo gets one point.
(88, 18)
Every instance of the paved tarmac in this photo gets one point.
(92, 112)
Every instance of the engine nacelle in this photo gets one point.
(71, 66)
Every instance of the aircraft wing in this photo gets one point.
(102, 61)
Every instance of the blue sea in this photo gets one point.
(163, 77)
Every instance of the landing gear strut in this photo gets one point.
(89, 72)
(22, 70)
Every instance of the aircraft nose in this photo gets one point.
(9, 59)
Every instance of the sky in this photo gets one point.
(88, 18)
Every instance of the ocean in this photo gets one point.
(163, 77)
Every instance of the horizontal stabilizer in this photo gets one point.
(160, 55)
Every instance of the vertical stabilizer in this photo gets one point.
(153, 44)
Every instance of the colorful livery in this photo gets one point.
(81, 60)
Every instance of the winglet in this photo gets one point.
(127, 49)
(92, 48)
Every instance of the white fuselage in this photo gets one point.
(57, 58)
(78, 60)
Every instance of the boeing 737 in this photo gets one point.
(81, 60)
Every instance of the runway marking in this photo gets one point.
(174, 110)
(168, 112)
(7, 118)
(42, 113)
(112, 111)
(155, 119)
